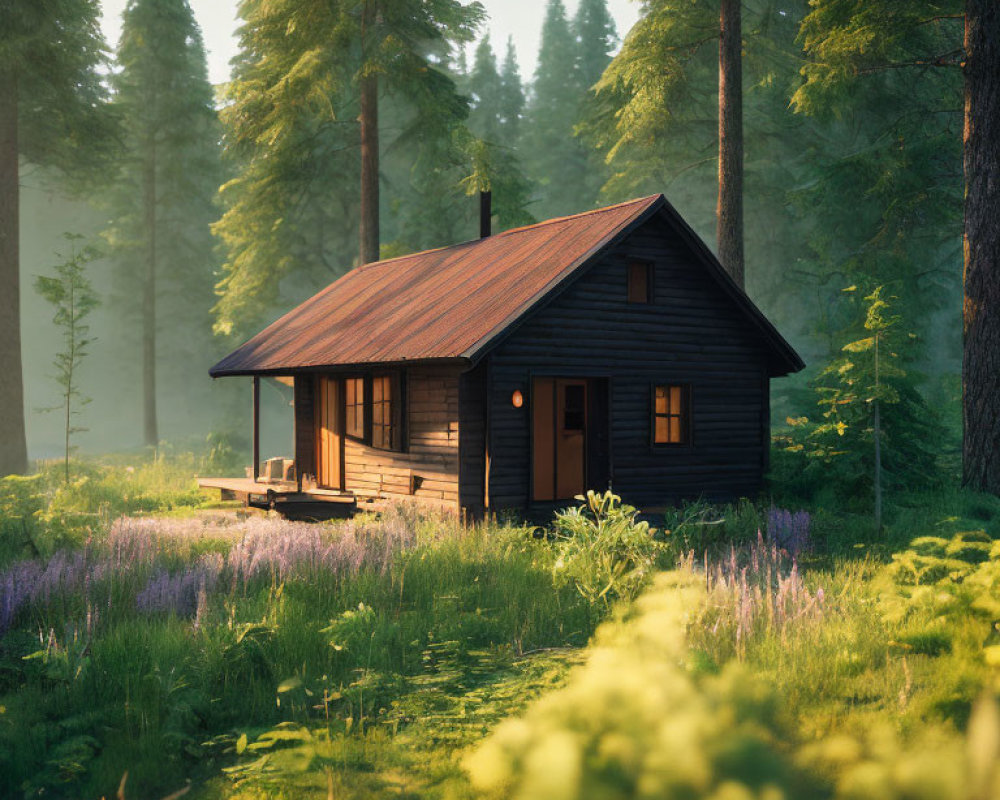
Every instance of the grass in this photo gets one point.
(247, 657)
(114, 660)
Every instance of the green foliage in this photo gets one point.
(162, 696)
(53, 51)
(869, 381)
(160, 203)
(702, 527)
(291, 134)
(603, 550)
(571, 55)
(650, 715)
(883, 79)
(72, 295)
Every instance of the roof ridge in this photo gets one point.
(532, 226)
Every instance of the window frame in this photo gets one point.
(633, 265)
(685, 416)
(363, 437)
(397, 399)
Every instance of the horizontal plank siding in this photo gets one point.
(305, 425)
(472, 442)
(431, 458)
(691, 333)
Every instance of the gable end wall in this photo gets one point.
(692, 333)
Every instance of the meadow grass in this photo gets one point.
(260, 658)
(136, 649)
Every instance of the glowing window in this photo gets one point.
(671, 414)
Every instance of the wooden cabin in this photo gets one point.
(515, 371)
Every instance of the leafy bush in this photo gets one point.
(637, 721)
(603, 549)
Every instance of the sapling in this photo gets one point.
(70, 292)
(865, 382)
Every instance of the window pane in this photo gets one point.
(661, 400)
(675, 400)
(661, 430)
(675, 429)
(638, 283)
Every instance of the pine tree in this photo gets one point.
(511, 98)
(51, 114)
(877, 430)
(902, 66)
(304, 98)
(665, 107)
(163, 201)
(596, 38)
(486, 89)
(553, 159)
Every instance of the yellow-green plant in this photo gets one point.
(639, 720)
(603, 549)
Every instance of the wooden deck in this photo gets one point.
(284, 497)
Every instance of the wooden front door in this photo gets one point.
(330, 434)
(559, 438)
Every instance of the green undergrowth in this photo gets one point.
(366, 624)
(42, 512)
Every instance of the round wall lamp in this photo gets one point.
(517, 399)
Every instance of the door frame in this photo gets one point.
(318, 432)
(595, 382)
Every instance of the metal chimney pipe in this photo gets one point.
(485, 214)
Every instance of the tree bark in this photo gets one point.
(729, 212)
(150, 432)
(13, 442)
(369, 232)
(981, 312)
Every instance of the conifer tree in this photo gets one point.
(596, 37)
(51, 114)
(304, 98)
(162, 204)
(552, 157)
(511, 98)
(486, 90)
(903, 64)
(670, 113)
(981, 360)
(570, 57)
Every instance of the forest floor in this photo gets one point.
(151, 637)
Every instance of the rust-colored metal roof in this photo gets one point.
(433, 305)
(456, 302)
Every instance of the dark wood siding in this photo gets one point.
(472, 440)
(692, 333)
(305, 427)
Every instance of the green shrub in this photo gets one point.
(603, 550)
(636, 721)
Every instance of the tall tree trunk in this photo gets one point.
(150, 432)
(13, 443)
(729, 213)
(981, 361)
(369, 147)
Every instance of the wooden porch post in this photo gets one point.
(256, 427)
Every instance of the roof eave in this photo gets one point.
(215, 372)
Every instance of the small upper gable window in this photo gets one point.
(640, 282)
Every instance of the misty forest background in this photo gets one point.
(216, 209)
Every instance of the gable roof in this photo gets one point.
(456, 303)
